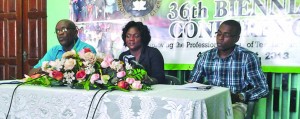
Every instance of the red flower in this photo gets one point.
(34, 76)
(123, 84)
(86, 50)
(56, 75)
(80, 75)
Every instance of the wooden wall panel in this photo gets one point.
(22, 33)
(13, 71)
(11, 39)
(2, 6)
(33, 39)
(34, 22)
(2, 72)
(12, 36)
(2, 39)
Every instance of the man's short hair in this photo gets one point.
(70, 23)
(235, 24)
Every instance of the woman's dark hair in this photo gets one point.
(143, 29)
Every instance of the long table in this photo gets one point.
(163, 102)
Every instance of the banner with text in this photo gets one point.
(181, 29)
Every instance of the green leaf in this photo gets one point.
(139, 77)
(87, 85)
(146, 87)
(95, 86)
(117, 88)
(47, 82)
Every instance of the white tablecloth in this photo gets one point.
(163, 102)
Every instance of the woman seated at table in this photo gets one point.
(136, 37)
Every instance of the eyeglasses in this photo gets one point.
(226, 35)
(133, 35)
(63, 30)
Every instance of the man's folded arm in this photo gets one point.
(258, 81)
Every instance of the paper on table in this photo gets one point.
(194, 86)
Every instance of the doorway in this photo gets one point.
(22, 36)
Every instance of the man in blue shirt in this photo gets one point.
(66, 33)
(232, 66)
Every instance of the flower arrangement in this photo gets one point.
(88, 70)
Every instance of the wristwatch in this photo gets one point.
(241, 97)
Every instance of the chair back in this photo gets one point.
(250, 110)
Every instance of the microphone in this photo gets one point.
(131, 60)
(11, 82)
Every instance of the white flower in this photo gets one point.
(69, 76)
(108, 58)
(100, 55)
(128, 66)
(26, 77)
(89, 69)
(86, 63)
(117, 65)
(90, 57)
(69, 54)
(45, 66)
(57, 64)
(104, 64)
(69, 64)
(53, 63)
(105, 78)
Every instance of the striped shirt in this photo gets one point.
(240, 69)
